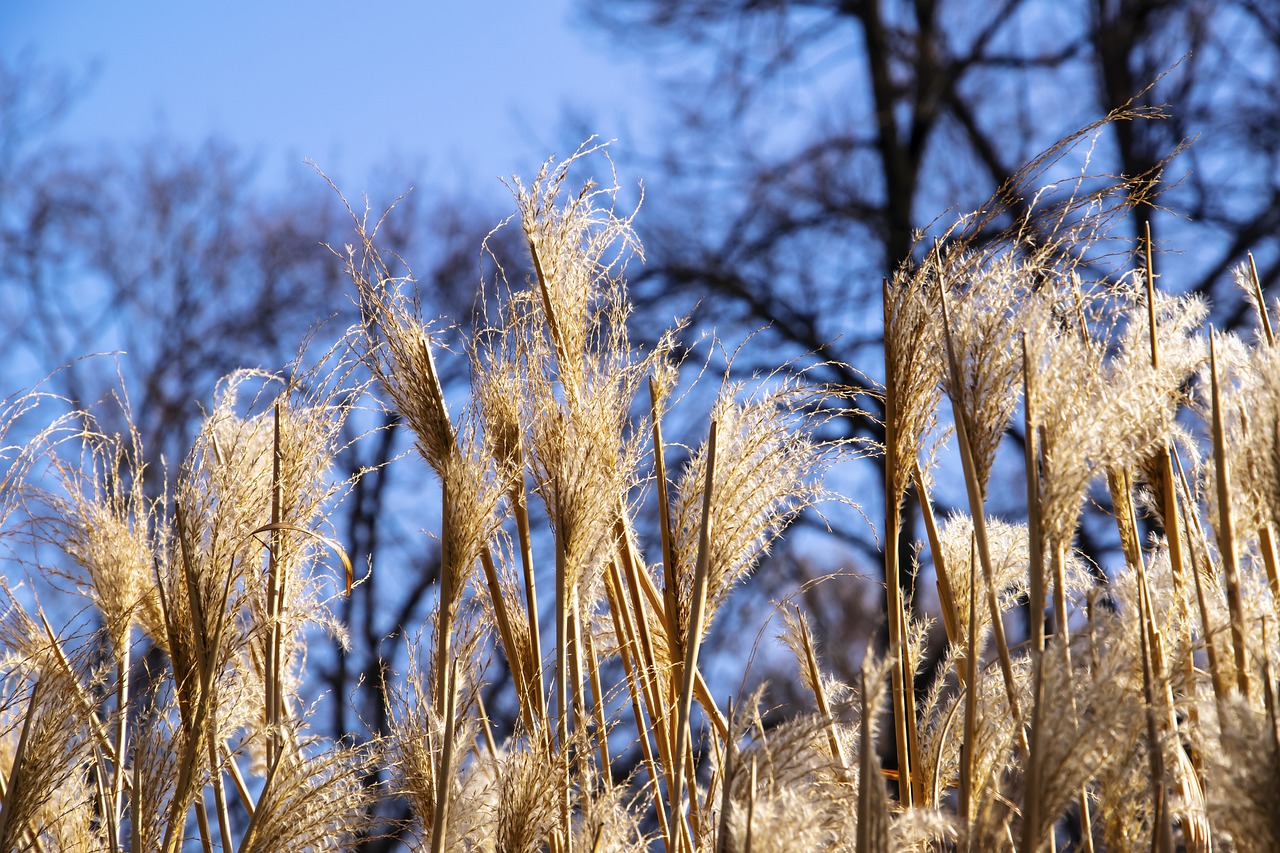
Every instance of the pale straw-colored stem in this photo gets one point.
(697, 613)
(520, 508)
(639, 692)
(969, 743)
(1260, 297)
(597, 702)
(1227, 530)
(819, 691)
(946, 592)
(444, 775)
(671, 584)
(902, 685)
(18, 769)
(977, 512)
(638, 577)
(520, 669)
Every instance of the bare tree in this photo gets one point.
(812, 141)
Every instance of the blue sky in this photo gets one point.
(474, 90)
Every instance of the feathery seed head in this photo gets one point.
(990, 300)
(314, 799)
(770, 468)
(1008, 543)
(530, 782)
(1249, 381)
(912, 339)
(103, 520)
(1244, 799)
(578, 249)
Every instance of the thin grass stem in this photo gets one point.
(683, 737)
(1227, 530)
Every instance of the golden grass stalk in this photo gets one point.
(642, 589)
(642, 693)
(275, 599)
(909, 383)
(1167, 497)
(19, 802)
(671, 583)
(445, 773)
(682, 738)
(648, 684)
(910, 402)
(1201, 572)
(1031, 805)
(946, 593)
(563, 603)
(901, 681)
(1035, 534)
(1226, 529)
(801, 639)
(968, 781)
(1153, 665)
(873, 810)
(974, 489)
(1258, 298)
(520, 509)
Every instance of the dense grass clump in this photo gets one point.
(1139, 711)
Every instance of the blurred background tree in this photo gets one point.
(812, 141)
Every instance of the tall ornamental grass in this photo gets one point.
(1137, 712)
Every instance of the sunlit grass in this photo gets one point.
(1140, 710)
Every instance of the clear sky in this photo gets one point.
(473, 89)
